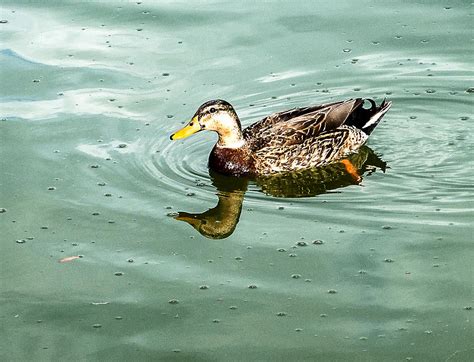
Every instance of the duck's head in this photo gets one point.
(218, 116)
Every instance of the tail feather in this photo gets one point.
(377, 116)
(367, 119)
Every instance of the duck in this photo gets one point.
(291, 140)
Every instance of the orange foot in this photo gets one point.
(351, 170)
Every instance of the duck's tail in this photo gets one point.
(368, 119)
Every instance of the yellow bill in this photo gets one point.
(191, 128)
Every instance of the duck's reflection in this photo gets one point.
(221, 221)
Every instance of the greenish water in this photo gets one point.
(90, 94)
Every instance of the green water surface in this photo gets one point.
(90, 92)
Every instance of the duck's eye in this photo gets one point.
(212, 110)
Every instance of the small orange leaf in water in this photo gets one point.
(69, 258)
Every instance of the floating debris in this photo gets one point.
(69, 258)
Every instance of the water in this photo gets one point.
(90, 94)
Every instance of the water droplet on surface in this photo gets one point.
(20, 241)
(302, 243)
(122, 145)
(332, 291)
(387, 227)
(296, 276)
(97, 325)
(318, 242)
(203, 287)
(2, 210)
(346, 50)
(252, 286)
(165, 74)
(3, 21)
(94, 166)
(216, 321)
(281, 314)
(119, 318)
(470, 90)
(292, 255)
(173, 301)
(118, 274)
(130, 260)
(388, 260)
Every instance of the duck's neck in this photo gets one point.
(232, 138)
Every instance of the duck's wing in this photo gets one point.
(315, 151)
(296, 125)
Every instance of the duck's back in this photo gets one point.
(312, 136)
(299, 124)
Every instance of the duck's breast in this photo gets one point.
(232, 161)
